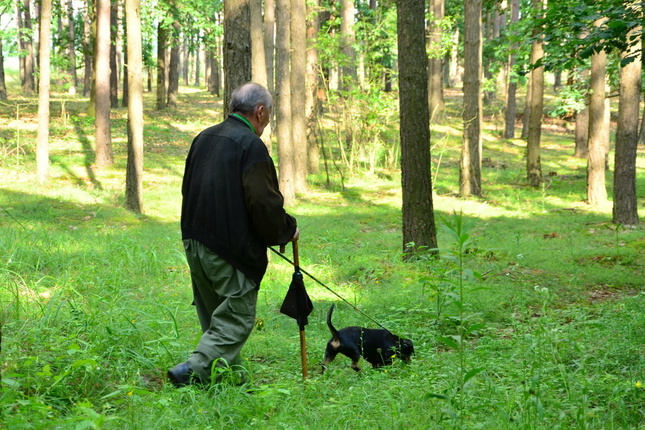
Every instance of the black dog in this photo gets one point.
(376, 346)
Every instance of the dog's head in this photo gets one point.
(406, 349)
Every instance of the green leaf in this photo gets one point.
(472, 373)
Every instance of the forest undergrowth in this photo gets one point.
(532, 316)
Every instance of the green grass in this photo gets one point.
(95, 300)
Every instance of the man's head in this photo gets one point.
(253, 102)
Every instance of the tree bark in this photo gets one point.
(104, 155)
(533, 163)
(435, 62)
(596, 189)
(174, 66)
(134, 173)
(625, 209)
(417, 211)
(42, 140)
(286, 160)
(258, 58)
(348, 37)
(510, 113)
(87, 49)
(71, 51)
(470, 171)
(162, 66)
(269, 45)
(312, 108)
(114, 71)
(298, 90)
(3, 82)
(27, 57)
(237, 47)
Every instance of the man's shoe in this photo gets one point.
(182, 375)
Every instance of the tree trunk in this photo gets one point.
(582, 133)
(28, 63)
(417, 211)
(237, 47)
(298, 90)
(533, 163)
(42, 140)
(258, 59)
(3, 82)
(312, 108)
(114, 70)
(87, 49)
(348, 38)
(510, 113)
(162, 66)
(29, 81)
(269, 45)
(286, 160)
(71, 50)
(134, 173)
(174, 66)
(625, 209)
(435, 62)
(596, 189)
(470, 171)
(104, 156)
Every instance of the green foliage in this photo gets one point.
(530, 316)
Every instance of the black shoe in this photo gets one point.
(182, 375)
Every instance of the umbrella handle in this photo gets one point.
(296, 260)
(303, 355)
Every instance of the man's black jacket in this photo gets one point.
(231, 200)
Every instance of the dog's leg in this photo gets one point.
(355, 364)
(329, 357)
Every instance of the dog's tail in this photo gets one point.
(332, 329)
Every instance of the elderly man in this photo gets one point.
(231, 211)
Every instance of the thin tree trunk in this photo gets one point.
(510, 113)
(348, 38)
(174, 66)
(470, 171)
(104, 156)
(3, 83)
(417, 210)
(269, 44)
(237, 46)
(134, 180)
(283, 98)
(312, 108)
(87, 50)
(596, 188)
(298, 89)
(435, 62)
(625, 209)
(533, 162)
(71, 51)
(258, 59)
(42, 141)
(582, 133)
(114, 69)
(162, 66)
(29, 81)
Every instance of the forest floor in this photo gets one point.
(533, 317)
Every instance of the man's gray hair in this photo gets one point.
(248, 96)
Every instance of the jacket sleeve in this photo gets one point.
(265, 204)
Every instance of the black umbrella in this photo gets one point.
(298, 306)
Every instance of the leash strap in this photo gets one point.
(284, 257)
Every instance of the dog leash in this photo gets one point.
(284, 257)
